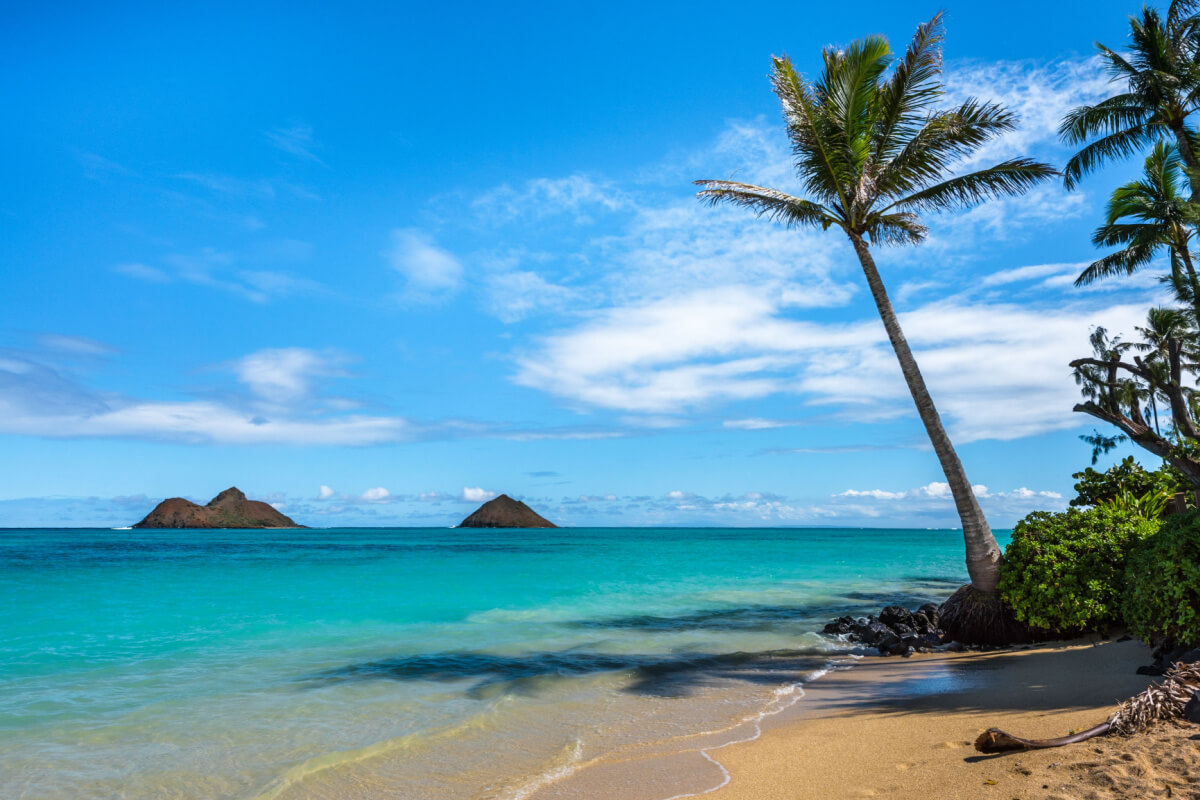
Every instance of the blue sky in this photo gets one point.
(375, 263)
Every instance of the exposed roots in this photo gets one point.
(974, 617)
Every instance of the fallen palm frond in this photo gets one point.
(1158, 702)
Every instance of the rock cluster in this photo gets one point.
(1165, 656)
(895, 632)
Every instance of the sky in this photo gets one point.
(377, 263)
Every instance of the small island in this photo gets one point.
(504, 512)
(229, 509)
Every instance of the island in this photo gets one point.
(504, 512)
(229, 509)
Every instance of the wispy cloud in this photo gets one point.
(430, 273)
(296, 140)
(223, 271)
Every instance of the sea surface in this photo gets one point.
(414, 664)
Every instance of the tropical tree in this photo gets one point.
(1146, 217)
(873, 152)
(1160, 82)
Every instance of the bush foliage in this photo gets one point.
(1162, 596)
(1065, 573)
(1127, 478)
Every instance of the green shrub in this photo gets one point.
(1162, 596)
(1097, 488)
(1065, 573)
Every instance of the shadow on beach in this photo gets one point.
(1051, 677)
(660, 675)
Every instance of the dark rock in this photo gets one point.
(892, 645)
(1189, 657)
(930, 610)
(1151, 669)
(229, 509)
(896, 615)
(504, 512)
(841, 625)
(875, 632)
(1191, 712)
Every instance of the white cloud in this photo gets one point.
(476, 494)
(995, 370)
(375, 495)
(38, 400)
(513, 296)
(755, 424)
(429, 271)
(538, 198)
(74, 345)
(285, 375)
(325, 493)
(1039, 94)
(1031, 273)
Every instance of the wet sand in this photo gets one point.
(905, 728)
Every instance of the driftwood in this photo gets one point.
(1158, 702)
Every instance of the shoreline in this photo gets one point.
(904, 728)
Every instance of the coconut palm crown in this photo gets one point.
(1160, 78)
(1145, 217)
(873, 152)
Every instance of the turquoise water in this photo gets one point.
(408, 663)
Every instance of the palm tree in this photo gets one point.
(1161, 81)
(1147, 216)
(872, 153)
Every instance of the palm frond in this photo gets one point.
(1122, 262)
(1116, 145)
(770, 203)
(815, 161)
(1012, 177)
(944, 138)
(1109, 116)
(912, 86)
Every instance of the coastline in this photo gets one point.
(905, 729)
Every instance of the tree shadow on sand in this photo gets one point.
(664, 675)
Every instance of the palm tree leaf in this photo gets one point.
(944, 138)
(1122, 262)
(1108, 116)
(815, 161)
(1012, 177)
(775, 205)
(910, 89)
(1116, 145)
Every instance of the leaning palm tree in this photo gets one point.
(873, 152)
(1160, 78)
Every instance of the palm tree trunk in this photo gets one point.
(1183, 142)
(983, 553)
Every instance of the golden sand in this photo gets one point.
(904, 728)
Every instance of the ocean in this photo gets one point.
(413, 664)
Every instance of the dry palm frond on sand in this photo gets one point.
(1158, 702)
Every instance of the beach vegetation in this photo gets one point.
(1145, 387)
(1125, 483)
(1162, 594)
(874, 151)
(1064, 573)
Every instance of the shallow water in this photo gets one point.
(409, 663)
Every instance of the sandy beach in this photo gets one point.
(893, 728)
